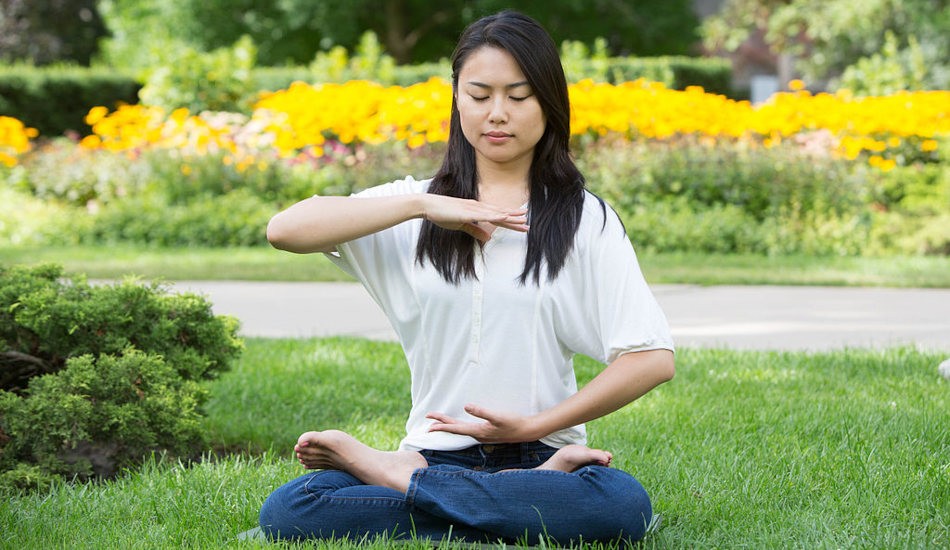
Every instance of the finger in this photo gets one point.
(440, 417)
(461, 428)
(481, 412)
(521, 227)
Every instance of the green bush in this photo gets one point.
(759, 181)
(219, 80)
(55, 99)
(890, 70)
(916, 189)
(99, 415)
(81, 177)
(690, 197)
(237, 218)
(28, 221)
(92, 378)
(677, 72)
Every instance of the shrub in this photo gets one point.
(55, 99)
(237, 218)
(219, 80)
(94, 377)
(98, 415)
(63, 172)
(27, 220)
(731, 198)
(919, 189)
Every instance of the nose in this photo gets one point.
(498, 113)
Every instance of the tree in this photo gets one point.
(828, 36)
(45, 31)
(293, 31)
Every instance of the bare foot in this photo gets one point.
(333, 449)
(571, 457)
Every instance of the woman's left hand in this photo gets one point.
(497, 427)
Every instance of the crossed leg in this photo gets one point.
(337, 450)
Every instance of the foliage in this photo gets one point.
(691, 197)
(28, 221)
(60, 172)
(141, 30)
(98, 415)
(55, 99)
(219, 80)
(714, 75)
(412, 31)
(51, 319)
(368, 63)
(235, 219)
(828, 36)
(94, 377)
(50, 31)
(888, 71)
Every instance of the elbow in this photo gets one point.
(670, 368)
(282, 235)
(276, 233)
(665, 366)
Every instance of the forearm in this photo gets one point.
(623, 381)
(319, 224)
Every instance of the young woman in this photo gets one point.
(494, 273)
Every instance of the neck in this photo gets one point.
(507, 180)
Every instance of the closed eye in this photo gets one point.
(478, 98)
(513, 98)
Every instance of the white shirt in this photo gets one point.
(491, 341)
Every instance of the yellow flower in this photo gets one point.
(95, 115)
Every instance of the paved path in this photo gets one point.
(739, 317)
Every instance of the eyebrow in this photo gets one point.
(507, 86)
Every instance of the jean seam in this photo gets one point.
(413, 487)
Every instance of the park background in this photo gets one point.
(741, 141)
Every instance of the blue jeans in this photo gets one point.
(463, 495)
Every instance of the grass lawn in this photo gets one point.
(741, 449)
(267, 264)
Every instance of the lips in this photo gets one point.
(497, 137)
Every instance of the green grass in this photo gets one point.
(267, 264)
(741, 449)
(180, 264)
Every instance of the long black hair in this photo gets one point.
(556, 185)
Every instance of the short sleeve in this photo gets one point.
(380, 260)
(613, 310)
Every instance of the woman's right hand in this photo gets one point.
(471, 216)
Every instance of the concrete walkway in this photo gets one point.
(738, 317)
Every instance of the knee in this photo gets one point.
(289, 513)
(627, 505)
(276, 518)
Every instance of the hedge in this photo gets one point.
(55, 99)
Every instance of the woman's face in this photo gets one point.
(500, 115)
